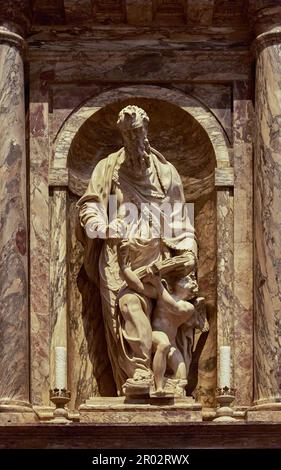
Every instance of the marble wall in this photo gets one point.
(243, 242)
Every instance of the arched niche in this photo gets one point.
(172, 131)
(202, 116)
(189, 136)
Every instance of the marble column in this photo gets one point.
(267, 207)
(14, 334)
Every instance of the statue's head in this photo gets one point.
(133, 124)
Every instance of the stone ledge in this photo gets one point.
(158, 411)
(171, 436)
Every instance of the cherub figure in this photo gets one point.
(175, 305)
(174, 308)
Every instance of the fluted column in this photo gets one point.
(267, 208)
(14, 334)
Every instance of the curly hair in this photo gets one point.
(131, 117)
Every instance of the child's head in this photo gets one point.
(185, 287)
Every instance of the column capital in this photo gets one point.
(8, 36)
(265, 16)
(268, 38)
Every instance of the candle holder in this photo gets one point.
(60, 397)
(225, 396)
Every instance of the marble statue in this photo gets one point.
(140, 254)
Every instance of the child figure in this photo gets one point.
(173, 310)
(169, 310)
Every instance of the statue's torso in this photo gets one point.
(141, 191)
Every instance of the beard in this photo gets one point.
(137, 154)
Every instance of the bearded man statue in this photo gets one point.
(125, 229)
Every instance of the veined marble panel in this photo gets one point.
(206, 344)
(58, 274)
(225, 269)
(243, 244)
(39, 252)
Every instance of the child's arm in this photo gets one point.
(179, 307)
(137, 285)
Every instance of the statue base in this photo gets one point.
(173, 388)
(155, 410)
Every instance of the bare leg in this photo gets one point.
(162, 344)
(177, 364)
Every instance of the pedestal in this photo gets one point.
(156, 411)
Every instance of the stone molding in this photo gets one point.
(12, 38)
(268, 38)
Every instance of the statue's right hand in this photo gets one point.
(95, 229)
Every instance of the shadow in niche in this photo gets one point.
(194, 366)
(95, 334)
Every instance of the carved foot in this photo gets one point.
(173, 388)
(138, 385)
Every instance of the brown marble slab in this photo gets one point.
(58, 275)
(225, 235)
(205, 352)
(243, 243)
(40, 247)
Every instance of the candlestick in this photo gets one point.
(60, 396)
(60, 368)
(224, 372)
(225, 397)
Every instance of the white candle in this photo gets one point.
(224, 366)
(60, 367)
